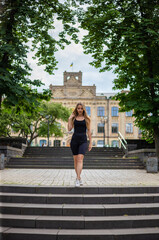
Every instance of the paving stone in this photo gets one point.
(102, 177)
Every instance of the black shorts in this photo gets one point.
(79, 144)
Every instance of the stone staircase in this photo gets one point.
(61, 157)
(85, 213)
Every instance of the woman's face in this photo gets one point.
(80, 110)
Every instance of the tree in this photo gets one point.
(25, 26)
(125, 35)
(32, 124)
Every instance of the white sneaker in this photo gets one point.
(77, 184)
(81, 183)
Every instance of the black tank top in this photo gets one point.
(80, 126)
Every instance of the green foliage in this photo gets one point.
(124, 35)
(52, 112)
(27, 25)
(31, 124)
(4, 124)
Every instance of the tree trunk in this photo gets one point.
(156, 137)
(0, 101)
(28, 143)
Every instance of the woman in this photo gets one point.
(80, 121)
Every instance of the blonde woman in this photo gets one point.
(80, 121)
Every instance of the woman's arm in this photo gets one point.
(70, 124)
(90, 137)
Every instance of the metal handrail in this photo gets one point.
(123, 142)
(121, 136)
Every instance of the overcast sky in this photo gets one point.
(73, 53)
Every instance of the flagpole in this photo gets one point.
(71, 66)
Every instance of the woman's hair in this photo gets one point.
(87, 118)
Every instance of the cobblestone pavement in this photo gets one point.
(66, 177)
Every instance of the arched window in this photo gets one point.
(115, 111)
(115, 143)
(100, 143)
(43, 142)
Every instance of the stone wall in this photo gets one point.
(12, 152)
(143, 154)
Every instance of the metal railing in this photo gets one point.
(123, 143)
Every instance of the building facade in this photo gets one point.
(106, 120)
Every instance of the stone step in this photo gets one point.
(70, 153)
(71, 167)
(62, 165)
(78, 222)
(85, 163)
(46, 150)
(107, 155)
(32, 148)
(69, 159)
(80, 209)
(82, 190)
(79, 198)
(108, 213)
(80, 234)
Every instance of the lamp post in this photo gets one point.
(48, 135)
(104, 119)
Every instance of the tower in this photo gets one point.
(73, 78)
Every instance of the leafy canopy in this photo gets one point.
(124, 35)
(29, 25)
(34, 124)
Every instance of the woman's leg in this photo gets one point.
(82, 150)
(80, 158)
(75, 162)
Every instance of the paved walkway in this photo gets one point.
(66, 177)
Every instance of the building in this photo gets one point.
(106, 120)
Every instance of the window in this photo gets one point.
(100, 143)
(115, 143)
(57, 143)
(43, 143)
(114, 127)
(100, 111)
(115, 111)
(88, 110)
(140, 131)
(100, 127)
(50, 142)
(129, 128)
(129, 114)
